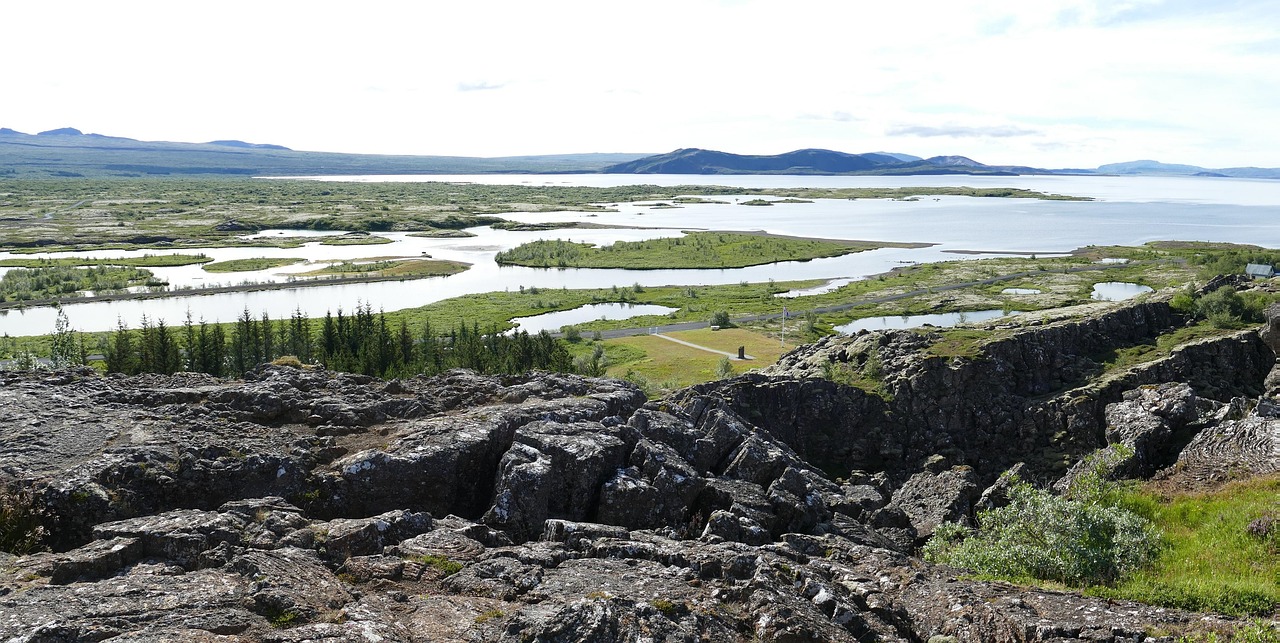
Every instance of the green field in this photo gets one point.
(390, 268)
(1212, 560)
(145, 261)
(252, 264)
(694, 250)
(659, 365)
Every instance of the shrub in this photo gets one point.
(288, 360)
(721, 319)
(1046, 537)
(724, 369)
(20, 528)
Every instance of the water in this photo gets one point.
(1020, 291)
(553, 322)
(1131, 211)
(830, 286)
(1117, 291)
(942, 320)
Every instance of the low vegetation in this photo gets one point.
(1221, 549)
(20, 528)
(145, 261)
(250, 265)
(57, 282)
(1217, 551)
(354, 240)
(1040, 536)
(389, 268)
(694, 250)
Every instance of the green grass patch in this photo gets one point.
(960, 342)
(442, 234)
(145, 261)
(1122, 358)
(442, 564)
(252, 264)
(695, 250)
(390, 268)
(1212, 560)
(355, 240)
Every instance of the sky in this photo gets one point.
(1046, 83)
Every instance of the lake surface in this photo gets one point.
(552, 322)
(942, 320)
(1117, 291)
(1130, 211)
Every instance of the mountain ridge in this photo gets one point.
(69, 152)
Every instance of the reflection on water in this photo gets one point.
(554, 321)
(1020, 291)
(1117, 290)
(944, 320)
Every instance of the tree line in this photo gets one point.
(362, 341)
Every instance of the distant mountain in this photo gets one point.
(809, 161)
(252, 146)
(1156, 168)
(68, 152)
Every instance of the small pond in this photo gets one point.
(830, 286)
(552, 322)
(943, 320)
(1117, 290)
(1020, 291)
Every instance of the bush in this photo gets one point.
(1046, 537)
(288, 360)
(724, 369)
(721, 319)
(20, 528)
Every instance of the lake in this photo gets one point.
(1130, 211)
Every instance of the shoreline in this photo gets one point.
(217, 290)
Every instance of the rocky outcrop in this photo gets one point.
(304, 505)
(1036, 395)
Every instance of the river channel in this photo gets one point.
(1128, 211)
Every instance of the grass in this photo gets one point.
(960, 342)
(659, 365)
(1211, 561)
(354, 240)
(249, 265)
(145, 261)
(694, 250)
(391, 268)
(1122, 358)
(442, 564)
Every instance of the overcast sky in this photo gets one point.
(1049, 83)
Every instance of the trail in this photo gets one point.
(701, 348)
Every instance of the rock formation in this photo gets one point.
(305, 505)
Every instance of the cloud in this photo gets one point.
(479, 86)
(961, 131)
(839, 116)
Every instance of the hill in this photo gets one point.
(1156, 168)
(807, 161)
(68, 152)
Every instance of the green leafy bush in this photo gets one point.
(1042, 536)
